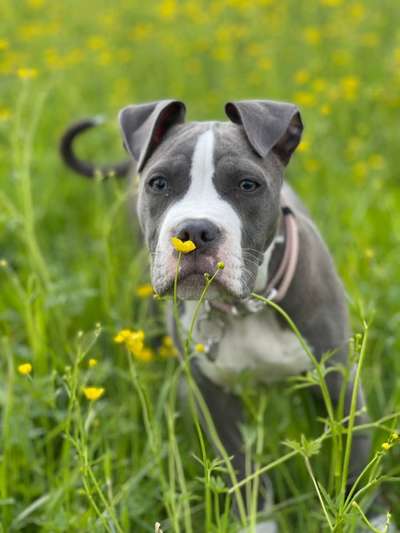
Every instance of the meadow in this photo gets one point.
(93, 437)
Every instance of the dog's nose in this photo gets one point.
(202, 232)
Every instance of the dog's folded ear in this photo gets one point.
(144, 126)
(268, 125)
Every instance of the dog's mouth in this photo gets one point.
(197, 265)
(191, 287)
(192, 278)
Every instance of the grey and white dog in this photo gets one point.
(220, 184)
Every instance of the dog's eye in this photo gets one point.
(158, 184)
(247, 185)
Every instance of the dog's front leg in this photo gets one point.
(226, 411)
(361, 439)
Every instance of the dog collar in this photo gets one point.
(278, 285)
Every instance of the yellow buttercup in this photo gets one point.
(183, 246)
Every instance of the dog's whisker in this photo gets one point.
(248, 272)
(253, 256)
(253, 250)
(251, 261)
(247, 259)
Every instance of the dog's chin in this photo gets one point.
(192, 286)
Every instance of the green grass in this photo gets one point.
(74, 261)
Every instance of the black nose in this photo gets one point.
(202, 232)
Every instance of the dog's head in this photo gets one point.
(214, 183)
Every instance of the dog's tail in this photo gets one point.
(86, 168)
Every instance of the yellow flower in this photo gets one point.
(121, 336)
(4, 44)
(35, 4)
(144, 291)
(369, 253)
(325, 109)
(357, 11)
(304, 146)
(264, 63)
(200, 347)
(133, 340)
(168, 349)
(25, 369)
(145, 355)
(350, 83)
(141, 32)
(167, 341)
(95, 42)
(183, 246)
(93, 393)
(220, 265)
(350, 86)
(386, 446)
(134, 343)
(301, 77)
(92, 362)
(27, 73)
(304, 98)
(3, 263)
(223, 53)
(394, 436)
(312, 35)
(168, 9)
(5, 114)
(360, 170)
(104, 58)
(331, 3)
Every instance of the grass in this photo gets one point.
(72, 259)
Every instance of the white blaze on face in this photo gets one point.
(202, 201)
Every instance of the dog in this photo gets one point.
(221, 185)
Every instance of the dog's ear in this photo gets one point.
(144, 126)
(268, 125)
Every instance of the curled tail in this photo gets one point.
(86, 168)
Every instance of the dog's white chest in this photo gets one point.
(254, 345)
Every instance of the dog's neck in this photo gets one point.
(277, 269)
(264, 269)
